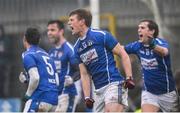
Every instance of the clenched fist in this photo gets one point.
(89, 102)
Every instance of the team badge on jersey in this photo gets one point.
(149, 63)
(89, 56)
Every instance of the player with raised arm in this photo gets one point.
(66, 66)
(153, 52)
(42, 92)
(94, 50)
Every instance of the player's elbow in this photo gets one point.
(164, 52)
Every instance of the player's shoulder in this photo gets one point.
(161, 40)
(97, 32)
(28, 52)
(27, 55)
(68, 47)
(134, 43)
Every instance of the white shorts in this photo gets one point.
(166, 102)
(111, 93)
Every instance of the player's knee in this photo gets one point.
(44, 107)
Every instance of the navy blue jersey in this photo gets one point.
(95, 51)
(37, 57)
(157, 74)
(64, 59)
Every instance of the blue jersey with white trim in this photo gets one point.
(64, 59)
(37, 57)
(95, 51)
(157, 74)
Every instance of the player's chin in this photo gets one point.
(74, 33)
(51, 40)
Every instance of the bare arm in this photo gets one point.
(162, 51)
(85, 78)
(119, 50)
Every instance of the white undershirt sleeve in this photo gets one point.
(33, 81)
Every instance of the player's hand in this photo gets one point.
(68, 80)
(152, 42)
(25, 98)
(129, 83)
(89, 102)
(23, 77)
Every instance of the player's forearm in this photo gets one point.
(33, 82)
(160, 50)
(119, 50)
(86, 85)
(127, 65)
(85, 79)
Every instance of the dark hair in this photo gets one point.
(32, 35)
(83, 14)
(59, 23)
(152, 25)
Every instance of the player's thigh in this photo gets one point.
(114, 107)
(115, 98)
(99, 99)
(149, 108)
(44, 107)
(149, 102)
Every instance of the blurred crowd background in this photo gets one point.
(120, 17)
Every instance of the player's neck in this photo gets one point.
(61, 42)
(83, 32)
(27, 46)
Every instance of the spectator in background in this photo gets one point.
(94, 50)
(159, 85)
(66, 66)
(5, 62)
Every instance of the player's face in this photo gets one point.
(75, 25)
(144, 32)
(53, 33)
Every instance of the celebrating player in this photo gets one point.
(159, 86)
(94, 50)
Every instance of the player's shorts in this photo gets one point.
(111, 93)
(66, 103)
(36, 106)
(166, 102)
(39, 98)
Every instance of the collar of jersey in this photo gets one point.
(60, 45)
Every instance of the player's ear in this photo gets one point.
(82, 21)
(152, 32)
(61, 32)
